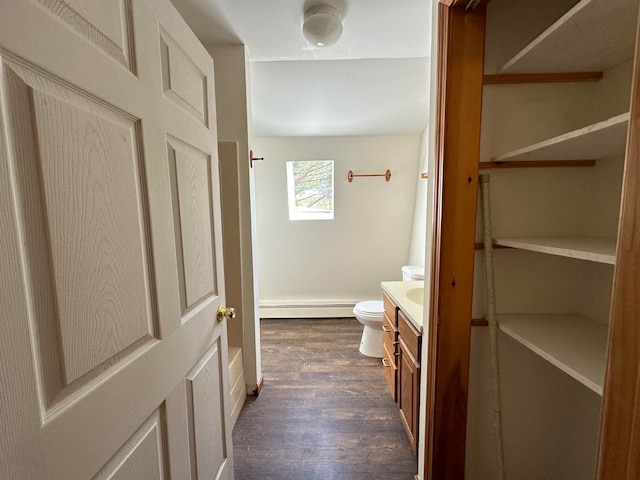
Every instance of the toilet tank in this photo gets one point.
(412, 272)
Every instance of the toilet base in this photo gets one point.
(371, 342)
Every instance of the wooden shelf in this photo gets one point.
(562, 77)
(593, 36)
(575, 344)
(600, 140)
(593, 249)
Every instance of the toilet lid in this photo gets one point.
(374, 307)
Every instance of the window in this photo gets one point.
(310, 189)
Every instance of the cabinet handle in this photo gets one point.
(385, 363)
(385, 328)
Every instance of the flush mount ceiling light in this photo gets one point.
(322, 25)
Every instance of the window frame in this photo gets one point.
(294, 211)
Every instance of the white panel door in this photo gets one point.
(112, 362)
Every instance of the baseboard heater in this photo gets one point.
(330, 309)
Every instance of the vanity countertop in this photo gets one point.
(397, 292)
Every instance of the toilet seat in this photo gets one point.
(369, 309)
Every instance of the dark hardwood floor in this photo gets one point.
(324, 413)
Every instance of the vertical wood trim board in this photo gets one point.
(461, 64)
(619, 450)
(427, 428)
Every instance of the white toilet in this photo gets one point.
(370, 313)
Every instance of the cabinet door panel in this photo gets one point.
(411, 337)
(408, 392)
(390, 371)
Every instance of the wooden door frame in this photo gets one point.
(619, 449)
(460, 71)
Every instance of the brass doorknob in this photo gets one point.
(228, 313)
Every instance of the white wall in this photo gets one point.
(419, 230)
(334, 262)
(231, 68)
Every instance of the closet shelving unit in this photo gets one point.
(560, 418)
(566, 46)
(594, 35)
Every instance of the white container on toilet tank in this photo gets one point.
(412, 272)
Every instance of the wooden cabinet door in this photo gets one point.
(112, 363)
(408, 392)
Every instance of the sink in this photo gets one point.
(416, 295)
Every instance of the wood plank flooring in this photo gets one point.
(324, 413)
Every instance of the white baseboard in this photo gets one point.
(337, 309)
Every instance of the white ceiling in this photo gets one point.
(373, 81)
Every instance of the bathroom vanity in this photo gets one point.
(402, 344)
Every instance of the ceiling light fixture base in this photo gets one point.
(322, 25)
